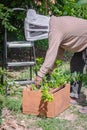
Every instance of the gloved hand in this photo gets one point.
(38, 81)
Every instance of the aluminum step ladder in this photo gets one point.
(10, 45)
(36, 27)
(30, 63)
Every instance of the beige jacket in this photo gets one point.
(65, 33)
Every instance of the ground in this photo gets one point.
(70, 119)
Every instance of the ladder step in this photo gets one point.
(38, 30)
(20, 44)
(9, 64)
(21, 82)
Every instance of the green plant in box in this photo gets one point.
(57, 78)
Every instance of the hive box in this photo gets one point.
(33, 104)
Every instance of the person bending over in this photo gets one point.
(66, 33)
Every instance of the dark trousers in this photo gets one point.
(76, 65)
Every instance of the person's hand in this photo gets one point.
(38, 81)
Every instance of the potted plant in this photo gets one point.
(53, 96)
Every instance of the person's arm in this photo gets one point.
(51, 55)
(55, 38)
(50, 58)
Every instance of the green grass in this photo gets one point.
(53, 124)
(13, 104)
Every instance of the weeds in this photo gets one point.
(1, 106)
(13, 104)
(53, 124)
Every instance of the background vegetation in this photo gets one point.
(12, 21)
(61, 7)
